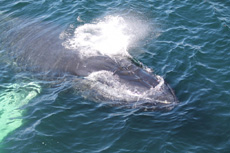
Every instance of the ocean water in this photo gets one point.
(185, 42)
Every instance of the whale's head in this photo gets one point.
(127, 85)
(109, 74)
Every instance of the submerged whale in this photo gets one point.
(117, 78)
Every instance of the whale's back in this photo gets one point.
(100, 77)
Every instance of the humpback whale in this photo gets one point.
(104, 70)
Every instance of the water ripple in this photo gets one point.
(188, 45)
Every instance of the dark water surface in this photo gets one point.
(188, 44)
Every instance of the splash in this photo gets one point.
(111, 36)
(12, 98)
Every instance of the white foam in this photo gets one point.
(110, 36)
(109, 85)
(106, 84)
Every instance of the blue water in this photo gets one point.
(188, 45)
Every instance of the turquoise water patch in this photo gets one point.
(12, 99)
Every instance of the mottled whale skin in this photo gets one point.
(39, 48)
